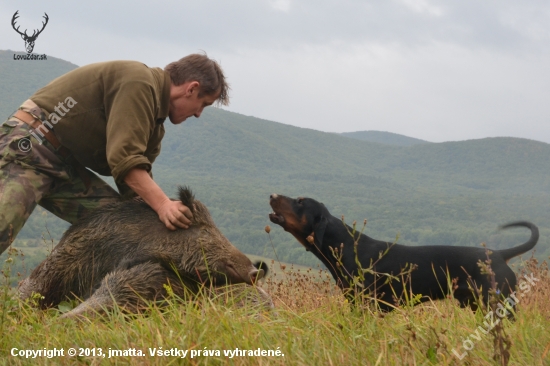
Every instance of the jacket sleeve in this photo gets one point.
(130, 116)
(153, 148)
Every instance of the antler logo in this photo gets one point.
(29, 40)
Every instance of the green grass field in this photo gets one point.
(312, 324)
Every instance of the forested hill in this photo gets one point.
(384, 138)
(454, 193)
(230, 145)
(20, 79)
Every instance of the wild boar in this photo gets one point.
(123, 253)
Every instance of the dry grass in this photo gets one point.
(312, 325)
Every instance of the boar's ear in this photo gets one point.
(319, 230)
(186, 196)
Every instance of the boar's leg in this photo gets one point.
(130, 289)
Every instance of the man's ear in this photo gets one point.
(192, 87)
(319, 230)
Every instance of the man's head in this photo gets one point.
(197, 82)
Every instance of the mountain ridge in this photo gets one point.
(453, 193)
(384, 137)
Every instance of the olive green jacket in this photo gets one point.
(109, 114)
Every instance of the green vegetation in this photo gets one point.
(312, 325)
(20, 79)
(384, 138)
(453, 193)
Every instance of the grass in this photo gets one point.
(312, 324)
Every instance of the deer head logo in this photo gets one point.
(29, 40)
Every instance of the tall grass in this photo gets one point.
(312, 324)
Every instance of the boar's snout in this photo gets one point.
(256, 274)
(249, 276)
(260, 271)
(248, 273)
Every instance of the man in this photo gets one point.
(107, 117)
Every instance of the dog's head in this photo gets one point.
(302, 217)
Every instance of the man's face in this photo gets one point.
(185, 101)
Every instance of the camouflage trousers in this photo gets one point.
(32, 173)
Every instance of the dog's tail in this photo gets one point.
(528, 245)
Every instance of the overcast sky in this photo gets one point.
(438, 71)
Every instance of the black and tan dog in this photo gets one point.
(325, 235)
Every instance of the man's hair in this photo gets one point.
(207, 72)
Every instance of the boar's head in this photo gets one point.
(210, 255)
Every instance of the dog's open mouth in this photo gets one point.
(275, 202)
(276, 219)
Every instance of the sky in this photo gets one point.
(438, 71)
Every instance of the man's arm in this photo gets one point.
(172, 213)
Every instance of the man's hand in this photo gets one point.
(173, 214)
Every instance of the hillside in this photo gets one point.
(454, 193)
(20, 79)
(435, 193)
(383, 137)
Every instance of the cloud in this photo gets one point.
(433, 70)
(282, 5)
(438, 92)
(250, 23)
(423, 7)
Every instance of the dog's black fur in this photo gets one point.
(321, 233)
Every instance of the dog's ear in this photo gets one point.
(319, 230)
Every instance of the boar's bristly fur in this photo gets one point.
(125, 250)
(187, 197)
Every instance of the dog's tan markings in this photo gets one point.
(296, 228)
(293, 224)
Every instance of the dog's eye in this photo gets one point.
(300, 200)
